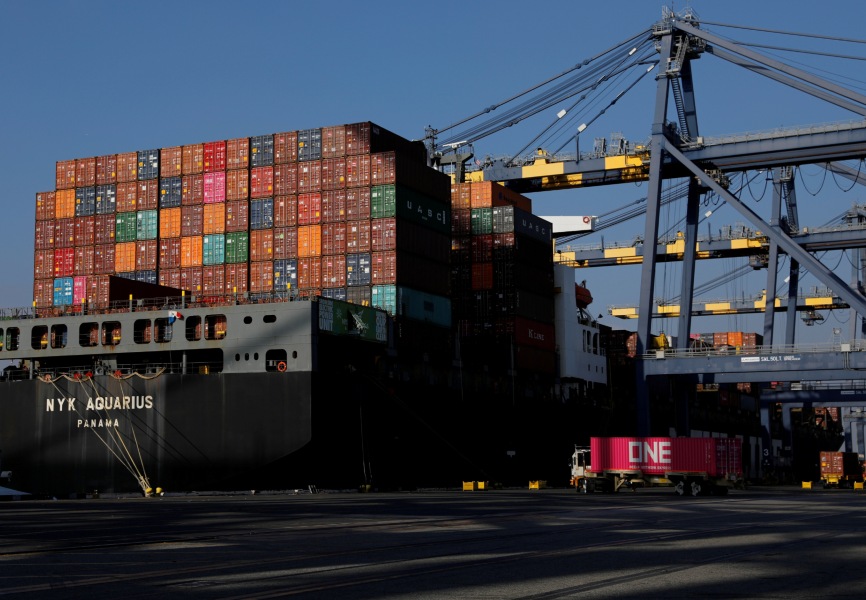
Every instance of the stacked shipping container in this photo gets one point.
(349, 212)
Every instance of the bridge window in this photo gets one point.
(2, 339)
(214, 327)
(141, 331)
(162, 330)
(275, 360)
(88, 334)
(39, 337)
(58, 336)
(13, 337)
(193, 329)
(110, 333)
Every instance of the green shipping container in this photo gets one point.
(422, 306)
(385, 297)
(383, 201)
(213, 249)
(481, 220)
(237, 247)
(147, 225)
(126, 225)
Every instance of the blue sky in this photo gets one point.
(86, 78)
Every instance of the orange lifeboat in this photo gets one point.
(582, 295)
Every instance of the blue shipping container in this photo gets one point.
(358, 271)
(63, 291)
(148, 164)
(285, 275)
(106, 199)
(309, 144)
(170, 192)
(262, 213)
(262, 150)
(146, 276)
(85, 201)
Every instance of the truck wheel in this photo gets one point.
(680, 488)
(696, 489)
(583, 487)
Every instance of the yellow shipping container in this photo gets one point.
(170, 222)
(309, 240)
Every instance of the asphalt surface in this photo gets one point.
(539, 544)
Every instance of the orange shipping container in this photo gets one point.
(170, 222)
(261, 244)
(461, 196)
(192, 159)
(191, 251)
(171, 162)
(127, 167)
(735, 338)
(309, 241)
(64, 203)
(214, 218)
(124, 257)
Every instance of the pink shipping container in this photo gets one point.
(285, 179)
(262, 182)
(148, 195)
(171, 162)
(191, 220)
(237, 278)
(45, 232)
(237, 215)
(46, 206)
(85, 231)
(717, 457)
(65, 174)
(285, 211)
(192, 189)
(358, 204)
(214, 187)
(334, 271)
(169, 253)
(238, 153)
(285, 147)
(237, 184)
(309, 208)
(333, 206)
(64, 204)
(64, 233)
(310, 273)
(43, 264)
(127, 196)
(127, 167)
(84, 260)
(103, 259)
(80, 291)
(192, 159)
(285, 242)
(333, 238)
(261, 276)
(214, 156)
(358, 171)
(310, 176)
(261, 244)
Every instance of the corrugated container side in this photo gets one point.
(285, 275)
(530, 358)
(63, 291)
(43, 264)
(170, 192)
(65, 174)
(85, 201)
(127, 196)
(124, 257)
(461, 196)
(383, 234)
(285, 147)
(334, 238)
(103, 259)
(43, 292)
(357, 136)
(238, 184)
(309, 272)
(359, 295)
(80, 290)
(147, 197)
(214, 218)
(106, 169)
(262, 150)
(384, 297)
(309, 144)
(237, 215)
(383, 268)
(237, 247)
(238, 153)
(358, 171)
(170, 223)
(286, 179)
(720, 338)
(735, 338)
(481, 220)
(192, 159)
(309, 241)
(310, 176)
(237, 277)
(147, 225)
(262, 213)
(482, 248)
(171, 162)
(46, 206)
(169, 278)
(85, 260)
(64, 233)
(191, 279)
(213, 249)
(358, 204)
(333, 141)
(334, 271)
(334, 293)
(190, 251)
(148, 164)
(333, 206)
(657, 456)
(64, 203)
(357, 236)
(85, 171)
(213, 280)
(127, 167)
(309, 208)
(192, 220)
(214, 156)
(214, 187)
(532, 226)
(85, 231)
(261, 182)
(285, 242)
(262, 244)
(261, 276)
(482, 276)
(146, 255)
(192, 189)
(358, 271)
(45, 232)
(106, 199)
(383, 201)
(148, 276)
(64, 262)
(333, 173)
(285, 211)
(169, 253)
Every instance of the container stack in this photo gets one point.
(502, 277)
(350, 212)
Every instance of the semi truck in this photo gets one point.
(692, 466)
(840, 469)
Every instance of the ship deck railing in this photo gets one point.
(122, 370)
(775, 349)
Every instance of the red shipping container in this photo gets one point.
(214, 187)
(213, 280)
(85, 231)
(285, 147)
(103, 259)
(482, 247)
(482, 276)
(333, 206)
(214, 156)
(43, 292)
(191, 220)
(64, 233)
(285, 211)
(262, 182)
(528, 332)
(238, 153)
(333, 238)
(127, 167)
(310, 273)
(334, 141)
(261, 244)
(171, 162)
(285, 179)
(309, 208)
(237, 278)
(192, 189)
(64, 204)
(334, 271)
(357, 236)
(358, 171)
(261, 276)
(461, 222)
(237, 215)
(720, 339)
(43, 264)
(46, 206)
(383, 268)
(84, 260)
(357, 138)
(106, 169)
(85, 172)
(333, 173)
(383, 234)
(191, 251)
(124, 257)
(358, 204)
(383, 168)
(146, 255)
(65, 174)
(214, 218)
(127, 196)
(170, 222)
(309, 240)
(192, 159)
(285, 242)
(169, 253)
(717, 457)
(170, 278)
(191, 280)
(45, 232)
(237, 184)
(309, 176)
(148, 195)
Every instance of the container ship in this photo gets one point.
(312, 307)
